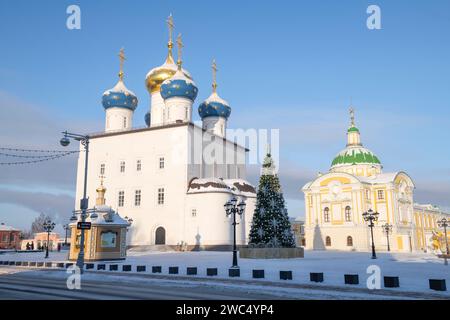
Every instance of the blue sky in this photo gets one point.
(292, 65)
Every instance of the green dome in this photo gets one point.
(353, 129)
(355, 155)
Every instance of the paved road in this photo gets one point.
(38, 285)
(18, 283)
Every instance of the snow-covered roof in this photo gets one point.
(208, 185)
(384, 178)
(119, 87)
(214, 97)
(379, 178)
(241, 187)
(167, 65)
(429, 207)
(105, 216)
(306, 186)
(4, 227)
(180, 75)
(352, 155)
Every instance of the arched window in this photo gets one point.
(328, 241)
(326, 214)
(348, 213)
(349, 241)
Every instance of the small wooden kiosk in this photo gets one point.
(106, 239)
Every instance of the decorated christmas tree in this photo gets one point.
(270, 225)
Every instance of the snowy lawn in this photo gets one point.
(413, 270)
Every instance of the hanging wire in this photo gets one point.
(47, 156)
(52, 154)
(35, 150)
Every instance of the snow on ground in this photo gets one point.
(413, 269)
(281, 292)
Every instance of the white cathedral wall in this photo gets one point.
(210, 225)
(148, 146)
(216, 125)
(156, 109)
(221, 158)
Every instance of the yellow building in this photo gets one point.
(355, 183)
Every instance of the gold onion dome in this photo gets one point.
(158, 75)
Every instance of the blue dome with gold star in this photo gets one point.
(214, 106)
(179, 86)
(119, 97)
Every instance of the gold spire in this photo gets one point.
(101, 193)
(170, 25)
(180, 46)
(214, 73)
(122, 59)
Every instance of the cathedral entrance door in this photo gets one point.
(160, 236)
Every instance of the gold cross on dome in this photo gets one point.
(214, 72)
(122, 59)
(180, 46)
(170, 24)
(352, 116)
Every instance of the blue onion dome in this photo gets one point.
(214, 106)
(119, 97)
(147, 119)
(179, 86)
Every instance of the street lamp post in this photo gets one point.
(66, 228)
(48, 227)
(231, 207)
(371, 217)
(84, 140)
(84, 213)
(443, 223)
(387, 228)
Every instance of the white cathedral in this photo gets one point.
(171, 177)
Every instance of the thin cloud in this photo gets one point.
(29, 126)
(59, 207)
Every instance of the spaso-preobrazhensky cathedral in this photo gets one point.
(163, 175)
